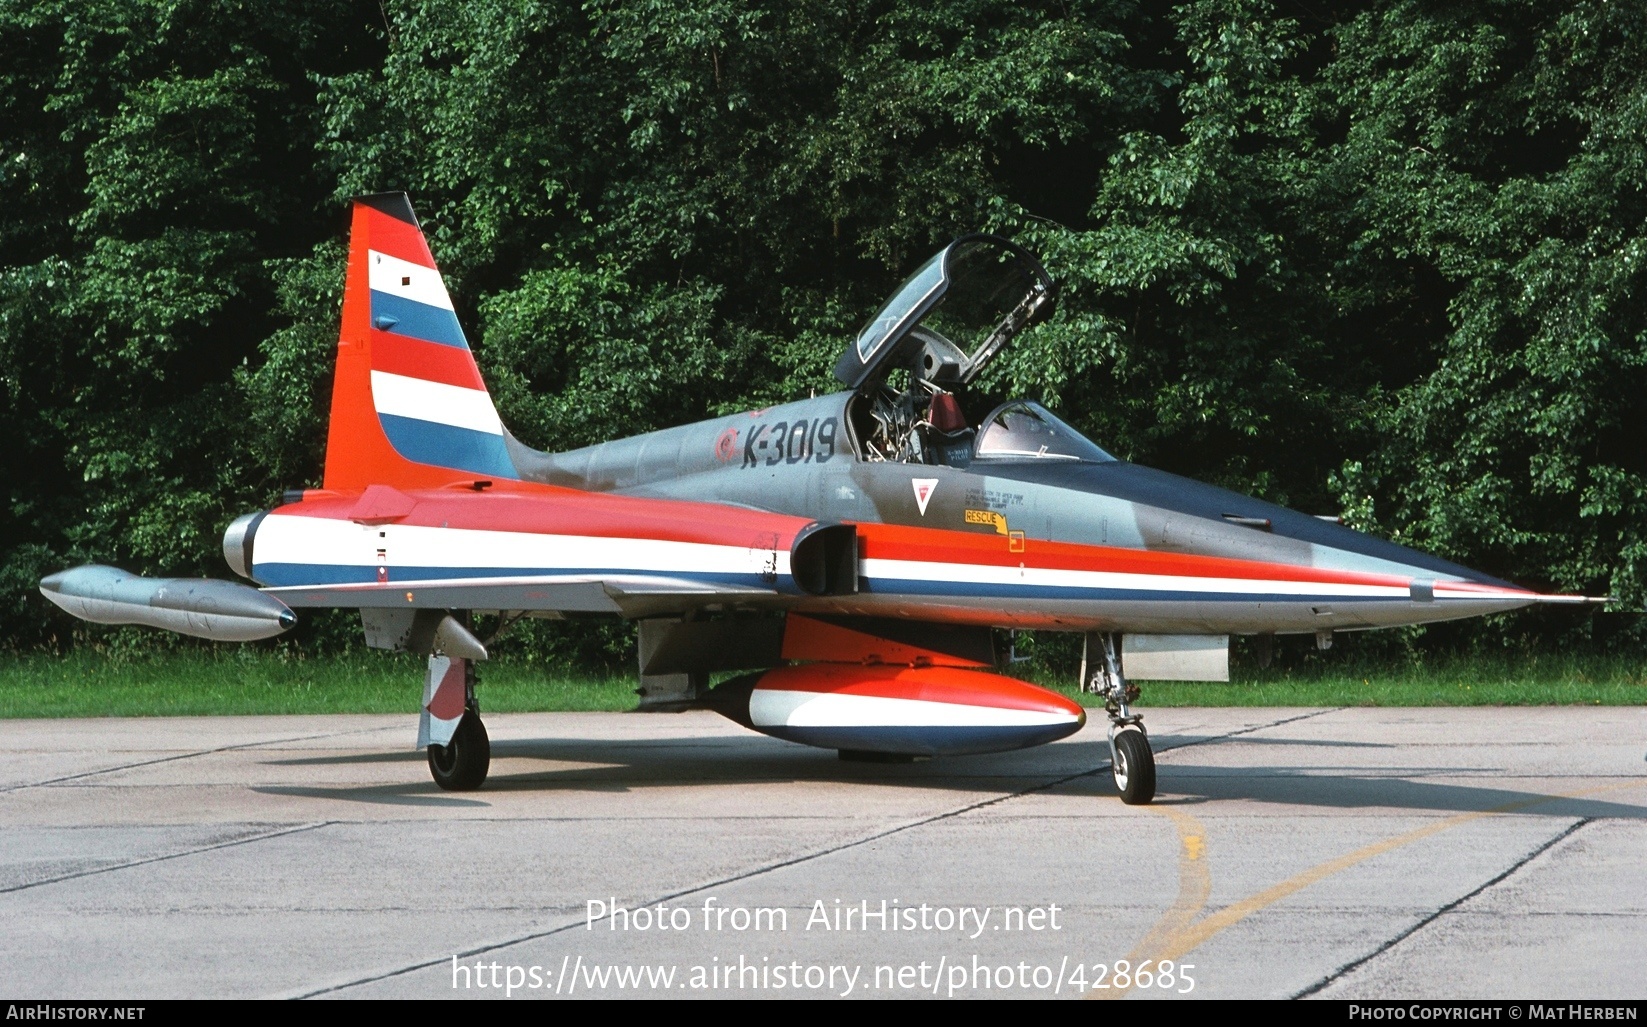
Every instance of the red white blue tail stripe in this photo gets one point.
(411, 300)
(430, 400)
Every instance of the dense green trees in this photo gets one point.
(1380, 258)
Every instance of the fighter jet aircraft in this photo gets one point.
(855, 551)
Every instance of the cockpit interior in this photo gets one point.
(910, 366)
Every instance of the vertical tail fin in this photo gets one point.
(409, 408)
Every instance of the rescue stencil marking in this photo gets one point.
(989, 517)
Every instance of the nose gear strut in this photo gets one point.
(1131, 762)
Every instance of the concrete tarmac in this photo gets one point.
(1386, 853)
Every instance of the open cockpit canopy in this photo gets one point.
(949, 318)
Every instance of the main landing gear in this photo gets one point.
(450, 730)
(1131, 761)
(461, 764)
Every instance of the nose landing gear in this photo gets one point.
(1131, 762)
(1132, 765)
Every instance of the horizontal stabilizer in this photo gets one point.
(223, 611)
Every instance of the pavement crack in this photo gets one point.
(1391, 943)
(265, 836)
(1238, 732)
(185, 756)
(803, 858)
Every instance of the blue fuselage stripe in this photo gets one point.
(1001, 590)
(417, 320)
(281, 575)
(445, 445)
(298, 574)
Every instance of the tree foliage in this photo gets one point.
(1381, 258)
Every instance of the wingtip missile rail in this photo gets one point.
(222, 611)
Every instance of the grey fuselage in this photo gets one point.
(805, 459)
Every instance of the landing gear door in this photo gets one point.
(969, 299)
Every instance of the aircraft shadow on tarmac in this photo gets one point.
(377, 795)
(1324, 742)
(1349, 788)
(1080, 767)
(351, 758)
(600, 752)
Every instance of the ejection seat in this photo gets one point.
(949, 439)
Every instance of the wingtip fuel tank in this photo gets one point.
(223, 611)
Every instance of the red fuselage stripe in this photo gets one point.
(894, 542)
(569, 512)
(538, 509)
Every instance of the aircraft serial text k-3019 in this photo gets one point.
(854, 550)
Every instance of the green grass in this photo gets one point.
(90, 684)
(87, 684)
(1498, 680)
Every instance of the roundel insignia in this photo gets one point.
(726, 447)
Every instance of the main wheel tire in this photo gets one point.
(1134, 768)
(461, 764)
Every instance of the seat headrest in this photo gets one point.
(945, 414)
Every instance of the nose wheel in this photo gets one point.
(1132, 764)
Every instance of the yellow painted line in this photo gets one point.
(1194, 885)
(1174, 936)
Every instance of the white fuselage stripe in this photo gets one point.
(325, 540)
(1048, 577)
(285, 539)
